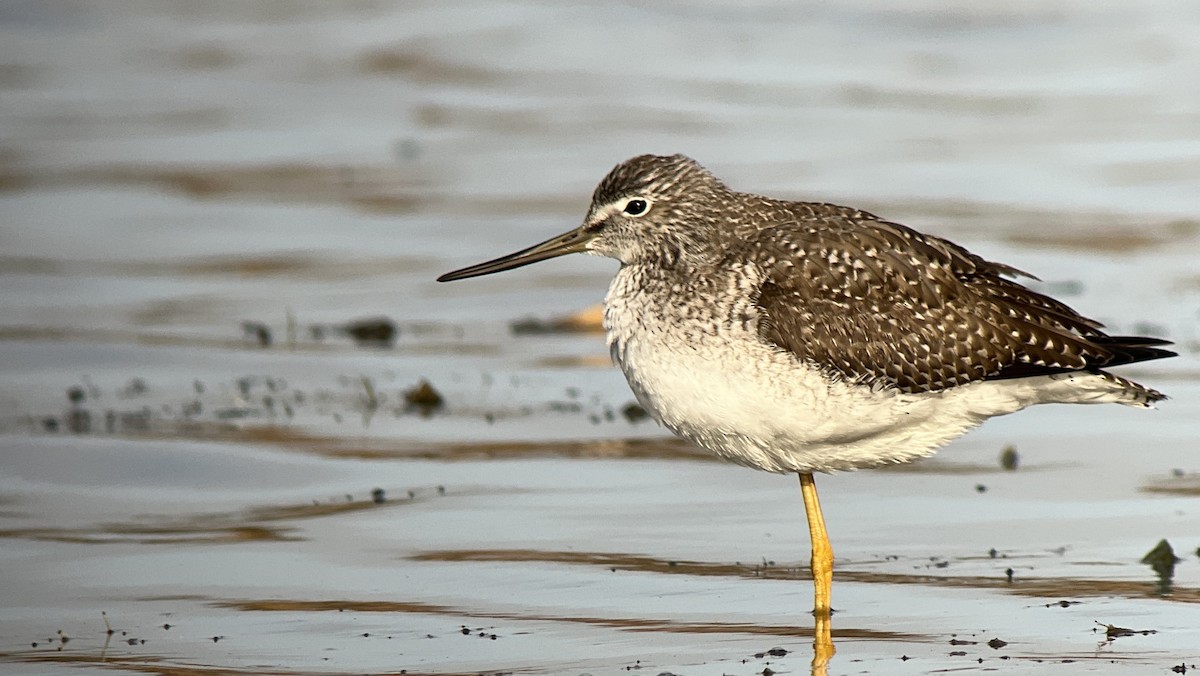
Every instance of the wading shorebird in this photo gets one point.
(808, 337)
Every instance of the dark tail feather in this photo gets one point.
(1121, 350)
(1131, 349)
(1130, 340)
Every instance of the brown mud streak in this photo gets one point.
(160, 665)
(1188, 484)
(297, 439)
(253, 524)
(1038, 587)
(250, 524)
(627, 624)
(124, 534)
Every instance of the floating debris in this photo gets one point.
(372, 332)
(424, 398)
(996, 644)
(258, 332)
(1112, 632)
(1009, 459)
(378, 496)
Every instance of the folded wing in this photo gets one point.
(880, 303)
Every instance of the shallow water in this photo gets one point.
(197, 199)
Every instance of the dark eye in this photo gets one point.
(636, 207)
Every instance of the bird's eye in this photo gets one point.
(636, 207)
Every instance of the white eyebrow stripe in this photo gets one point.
(608, 210)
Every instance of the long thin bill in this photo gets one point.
(574, 241)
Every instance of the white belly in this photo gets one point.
(767, 410)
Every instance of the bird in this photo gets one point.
(809, 337)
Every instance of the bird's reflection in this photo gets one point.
(823, 649)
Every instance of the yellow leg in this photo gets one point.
(822, 552)
(822, 572)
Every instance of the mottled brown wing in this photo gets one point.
(878, 302)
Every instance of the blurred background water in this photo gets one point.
(197, 198)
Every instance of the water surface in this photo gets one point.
(198, 200)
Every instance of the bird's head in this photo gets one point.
(651, 207)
